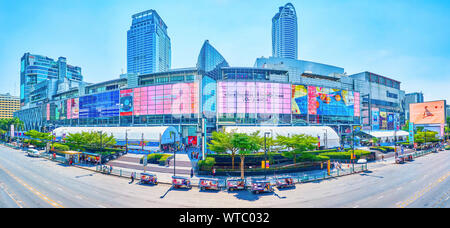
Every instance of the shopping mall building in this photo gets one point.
(211, 95)
(276, 91)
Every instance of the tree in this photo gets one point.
(94, 140)
(297, 144)
(246, 145)
(221, 143)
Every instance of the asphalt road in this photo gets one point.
(35, 182)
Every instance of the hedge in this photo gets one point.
(207, 164)
(346, 155)
(60, 147)
(157, 158)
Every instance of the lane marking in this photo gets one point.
(12, 196)
(422, 192)
(40, 195)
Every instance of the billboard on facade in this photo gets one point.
(72, 108)
(332, 102)
(299, 99)
(167, 99)
(253, 97)
(99, 105)
(383, 120)
(390, 121)
(126, 102)
(209, 97)
(427, 113)
(375, 120)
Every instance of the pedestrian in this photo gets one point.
(110, 169)
(132, 177)
(214, 172)
(382, 157)
(192, 172)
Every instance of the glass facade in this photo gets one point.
(285, 33)
(148, 44)
(36, 69)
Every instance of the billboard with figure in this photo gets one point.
(427, 113)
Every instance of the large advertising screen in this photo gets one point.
(100, 105)
(299, 99)
(253, 98)
(126, 102)
(171, 99)
(427, 113)
(209, 97)
(73, 108)
(326, 101)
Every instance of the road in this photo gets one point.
(35, 183)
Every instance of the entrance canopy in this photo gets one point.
(387, 134)
(328, 137)
(167, 135)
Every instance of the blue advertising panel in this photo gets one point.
(100, 105)
(390, 121)
(209, 97)
(375, 120)
(411, 133)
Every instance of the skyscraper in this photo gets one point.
(148, 45)
(285, 33)
(36, 69)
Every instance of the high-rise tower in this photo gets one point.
(285, 33)
(148, 45)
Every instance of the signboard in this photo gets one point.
(427, 113)
(170, 99)
(253, 98)
(411, 132)
(12, 131)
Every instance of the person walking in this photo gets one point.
(192, 173)
(214, 172)
(132, 177)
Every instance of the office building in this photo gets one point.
(8, 105)
(285, 33)
(39, 77)
(148, 44)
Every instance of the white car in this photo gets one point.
(362, 161)
(33, 153)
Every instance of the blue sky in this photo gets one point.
(407, 40)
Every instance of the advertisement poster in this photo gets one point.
(333, 102)
(126, 102)
(181, 98)
(375, 120)
(192, 140)
(411, 133)
(390, 121)
(383, 120)
(313, 104)
(253, 97)
(427, 113)
(299, 99)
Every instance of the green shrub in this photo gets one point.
(346, 155)
(163, 159)
(207, 164)
(60, 147)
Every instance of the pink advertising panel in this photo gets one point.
(253, 97)
(169, 99)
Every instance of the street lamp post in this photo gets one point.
(265, 154)
(325, 138)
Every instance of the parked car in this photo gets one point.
(33, 153)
